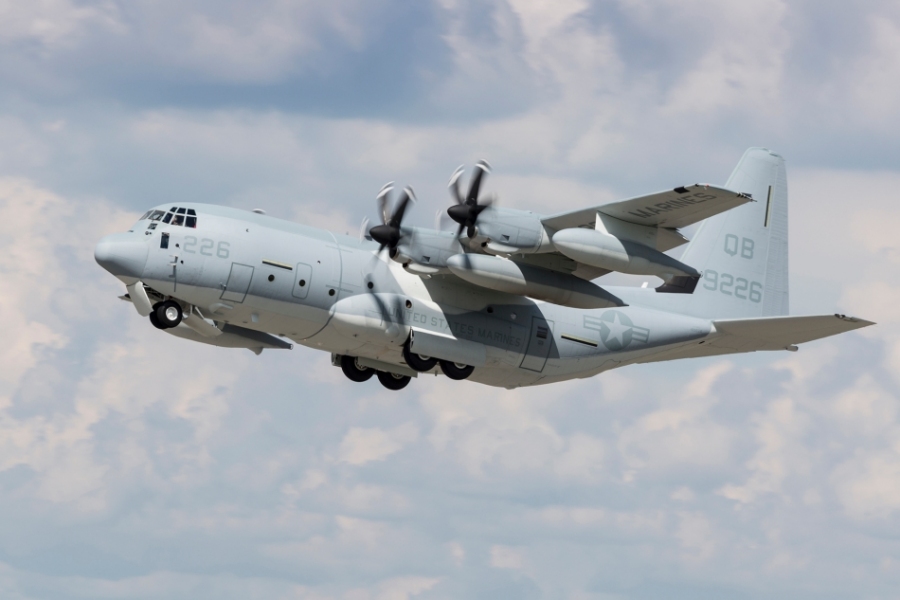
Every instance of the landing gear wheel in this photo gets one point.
(168, 314)
(393, 382)
(455, 370)
(354, 371)
(155, 321)
(417, 362)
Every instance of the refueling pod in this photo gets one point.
(606, 251)
(511, 277)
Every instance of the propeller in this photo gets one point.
(388, 234)
(467, 210)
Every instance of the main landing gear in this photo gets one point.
(355, 371)
(359, 373)
(417, 362)
(166, 315)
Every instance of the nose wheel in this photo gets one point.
(166, 315)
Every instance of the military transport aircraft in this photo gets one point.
(507, 299)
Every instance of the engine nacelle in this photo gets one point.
(426, 249)
(520, 231)
(606, 251)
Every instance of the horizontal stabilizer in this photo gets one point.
(733, 336)
(671, 209)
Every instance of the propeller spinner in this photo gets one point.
(388, 234)
(467, 210)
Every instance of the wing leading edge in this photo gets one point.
(671, 209)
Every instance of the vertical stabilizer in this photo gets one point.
(743, 253)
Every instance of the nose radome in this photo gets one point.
(122, 254)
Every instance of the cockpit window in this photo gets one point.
(156, 215)
(181, 217)
(146, 214)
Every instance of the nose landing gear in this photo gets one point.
(166, 315)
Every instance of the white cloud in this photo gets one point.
(361, 445)
(54, 24)
(506, 557)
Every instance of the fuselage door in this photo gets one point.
(238, 283)
(539, 343)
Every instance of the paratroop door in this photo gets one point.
(539, 343)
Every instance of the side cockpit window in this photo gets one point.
(181, 217)
(155, 215)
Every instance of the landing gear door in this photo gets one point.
(539, 343)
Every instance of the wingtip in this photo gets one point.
(856, 320)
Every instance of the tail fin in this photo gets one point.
(743, 252)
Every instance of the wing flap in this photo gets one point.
(671, 209)
(735, 336)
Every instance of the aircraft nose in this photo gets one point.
(122, 254)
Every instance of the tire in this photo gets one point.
(354, 371)
(169, 314)
(417, 362)
(155, 321)
(456, 371)
(393, 382)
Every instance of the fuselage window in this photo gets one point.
(156, 215)
(164, 241)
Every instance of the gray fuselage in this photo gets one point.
(338, 294)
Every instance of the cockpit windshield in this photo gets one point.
(181, 217)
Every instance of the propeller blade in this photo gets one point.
(454, 184)
(400, 207)
(382, 200)
(481, 169)
(363, 228)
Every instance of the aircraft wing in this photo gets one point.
(671, 209)
(735, 336)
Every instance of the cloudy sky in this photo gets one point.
(137, 465)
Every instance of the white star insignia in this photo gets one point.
(616, 330)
